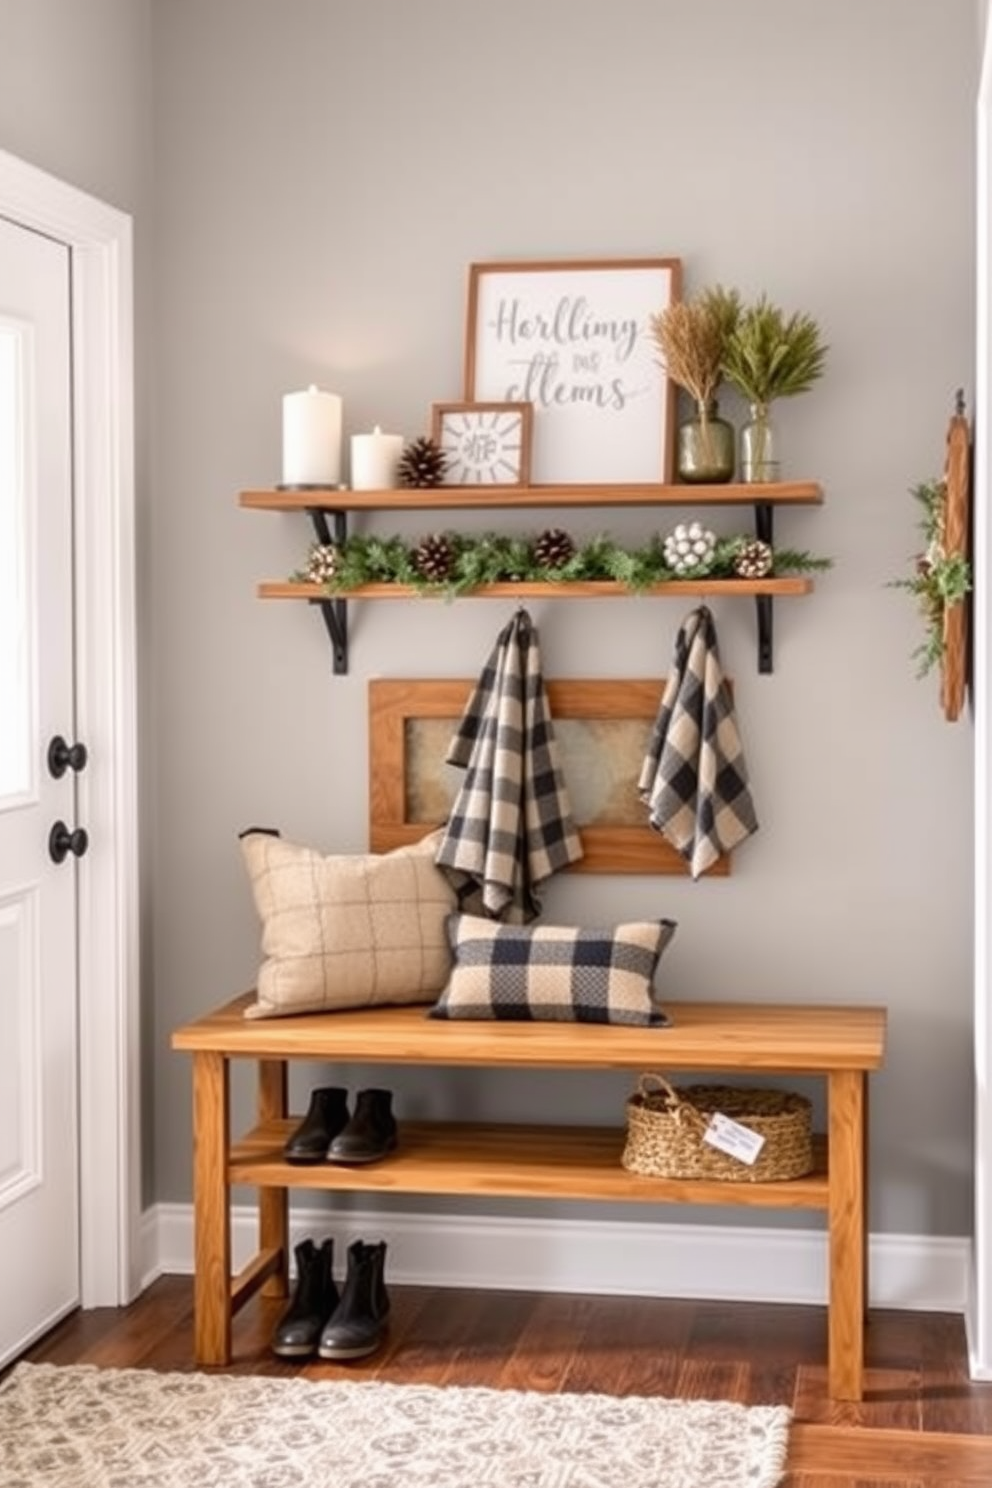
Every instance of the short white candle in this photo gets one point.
(311, 438)
(375, 460)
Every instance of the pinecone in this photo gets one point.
(689, 548)
(753, 560)
(434, 558)
(422, 464)
(323, 563)
(553, 548)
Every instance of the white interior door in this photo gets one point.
(39, 1162)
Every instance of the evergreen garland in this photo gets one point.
(494, 558)
(940, 579)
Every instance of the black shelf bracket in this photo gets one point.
(334, 611)
(763, 603)
(763, 530)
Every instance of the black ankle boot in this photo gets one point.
(327, 1115)
(315, 1298)
(370, 1133)
(357, 1325)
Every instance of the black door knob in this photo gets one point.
(62, 841)
(63, 756)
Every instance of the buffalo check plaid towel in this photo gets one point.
(511, 824)
(694, 776)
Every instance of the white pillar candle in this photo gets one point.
(375, 460)
(311, 438)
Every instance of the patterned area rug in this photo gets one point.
(82, 1427)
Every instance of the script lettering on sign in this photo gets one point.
(571, 356)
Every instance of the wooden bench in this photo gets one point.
(841, 1044)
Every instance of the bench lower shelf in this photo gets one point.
(512, 1161)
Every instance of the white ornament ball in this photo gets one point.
(689, 547)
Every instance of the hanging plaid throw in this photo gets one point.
(511, 824)
(694, 777)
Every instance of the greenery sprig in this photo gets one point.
(939, 580)
(492, 558)
(771, 355)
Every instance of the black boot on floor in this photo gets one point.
(327, 1115)
(357, 1325)
(370, 1133)
(314, 1300)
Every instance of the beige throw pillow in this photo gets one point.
(349, 930)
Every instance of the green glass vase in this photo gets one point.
(706, 447)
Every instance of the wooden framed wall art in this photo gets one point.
(602, 728)
(484, 444)
(941, 578)
(573, 338)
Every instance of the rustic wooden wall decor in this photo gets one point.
(602, 729)
(956, 540)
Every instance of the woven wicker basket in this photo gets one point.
(665, 1132)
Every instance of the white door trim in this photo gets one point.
(99, 238)
(979, 1315)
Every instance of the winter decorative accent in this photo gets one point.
(463, 563)
(554, 548)
(434, 558)
(422, 464)
(323, 563)
(941, 577)
(689, 548)
(754, 559)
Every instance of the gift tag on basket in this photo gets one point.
(729, 1136)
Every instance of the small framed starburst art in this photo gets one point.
(484, 444)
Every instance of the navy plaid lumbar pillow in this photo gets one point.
(554, 972)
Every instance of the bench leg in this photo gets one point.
(273, 1203)
(212, 1210)
(848, 1234)
(866, 1268)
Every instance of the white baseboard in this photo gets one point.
(641, 1259)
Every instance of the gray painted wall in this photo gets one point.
(323, 174)
(75, 93)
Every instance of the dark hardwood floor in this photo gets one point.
(922, 1424)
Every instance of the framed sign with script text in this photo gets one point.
(573, 339)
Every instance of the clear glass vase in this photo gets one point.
(706, 447)
(759, 454)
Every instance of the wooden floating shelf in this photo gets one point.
(511, 1161)
(436, 498)
(324, 505)
(585, 589)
